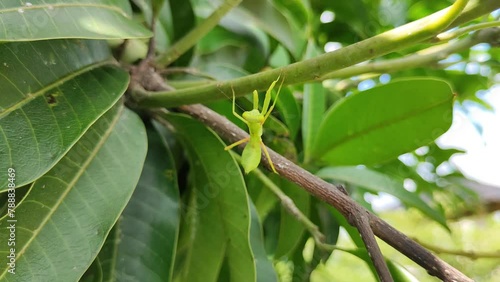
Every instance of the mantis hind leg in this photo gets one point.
(268, 157)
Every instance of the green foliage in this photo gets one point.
(220, 210)
(122, 254)
(110, 189)
(69, 211)
(92, 19)
(390, 120)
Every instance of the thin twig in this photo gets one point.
(331, 195)
(425, 57)
(469, 254)
(447, 36)
(360, 221)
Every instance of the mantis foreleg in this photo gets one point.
(237, 143)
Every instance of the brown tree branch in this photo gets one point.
(333, 196)
(360, 221)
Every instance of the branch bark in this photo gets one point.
(333, 196)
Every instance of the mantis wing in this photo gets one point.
(250, 158)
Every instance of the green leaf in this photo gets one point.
(289, 110)
(291, 230)
(293, 10)
(264, 267)
(28, 68)
(279, 58)
(378, 182)
(399, 273)
(142, 244)
(183, 18)
(262, 197)
(313, 107)
(233, 47)
(217, 39)
(272, 20)
(353, 20)
(327, 223)
(63, 221)
(220, 208)
(50, 105)
(91, 19)
(379, 124)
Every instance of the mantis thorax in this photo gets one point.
(254, 116)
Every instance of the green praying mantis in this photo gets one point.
(255, 119)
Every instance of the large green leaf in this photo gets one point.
(264, 267)
(28, 68)
(142, 244)
(52, 93)
(313, 107)
(63, 221)
(378, 182)
(50, 19)
(220, 210)
(379, 124)
(291, 230)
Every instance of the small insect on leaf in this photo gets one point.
(51, 99)
(255, 119)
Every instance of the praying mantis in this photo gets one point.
(255, 119)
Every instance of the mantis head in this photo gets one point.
(254, 116)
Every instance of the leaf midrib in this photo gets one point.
(31, 96)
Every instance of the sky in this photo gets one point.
(481, 162)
